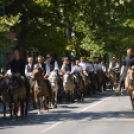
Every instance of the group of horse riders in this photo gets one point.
(18, 66)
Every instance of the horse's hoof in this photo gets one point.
(38, 112)
(55, 106)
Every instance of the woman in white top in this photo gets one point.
(77, 68)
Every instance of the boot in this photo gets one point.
(119, 91)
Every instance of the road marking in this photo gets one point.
(95, 104)
(55, 125)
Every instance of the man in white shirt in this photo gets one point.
(114, 64)
(29, 67)
(46, 68)
(103, 66)
(83, 64)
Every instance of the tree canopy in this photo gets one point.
(86, 27)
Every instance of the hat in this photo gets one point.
(48, 55)
(113, 58)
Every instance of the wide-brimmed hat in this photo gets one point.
(114, 58)
(48, 55)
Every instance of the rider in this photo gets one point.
(77, 68)
(114, 64)
(67, 66)
(46, 68)
(29, 67)
(83, 64)
(18, 67)
(128, 62)
(54, 67)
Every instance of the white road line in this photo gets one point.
(96, 104)
(56, 124)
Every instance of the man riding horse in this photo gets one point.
(46, 68)
(53, 65)
(114, 64)
(128, 62)
(18, 67)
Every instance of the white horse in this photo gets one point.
(53, 78)
(69, 86)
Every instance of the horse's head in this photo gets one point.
(66, 76)
(15, 81)
(53, 78)
(77, 77)
(37, 73)
(130, 74)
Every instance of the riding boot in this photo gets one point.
(119, 90)
(83, 84)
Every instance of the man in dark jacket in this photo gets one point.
(18, 67)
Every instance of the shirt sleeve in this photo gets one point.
(26, 73)
(47, 70)
(56, 65)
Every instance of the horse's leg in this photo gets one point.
(26, 108)
(46, 103)
(38, 99)
(19, 105)
(55, 99)
(4, 108)
(22, 107)
(10, 106)
(16, 109)
(72, 96)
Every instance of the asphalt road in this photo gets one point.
(103, 113)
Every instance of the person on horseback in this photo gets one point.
(18, 67)
(114, 64)
(83, 64)
(128, 62)
(46, 68)
(67, 66)
(53, 65)
(77, 69)
(29, 67)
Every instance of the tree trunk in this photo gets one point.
(22, 42)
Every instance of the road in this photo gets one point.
(103, 113)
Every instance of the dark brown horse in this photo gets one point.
(113, 77)
(18, 92)
(40, 88)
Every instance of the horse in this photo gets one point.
(78, 79)
(113, 78)
(40, 88)
(53, 78)
(87, 84)
(129, 84)
(69, 86)
(102, 80)
(4, 95)
(18, 90)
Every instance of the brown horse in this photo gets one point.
(113, 77)
(102, 80)
(129, 84)
(18, 92)
(78, 79)
(40, 88)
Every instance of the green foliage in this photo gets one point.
(99, 26)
